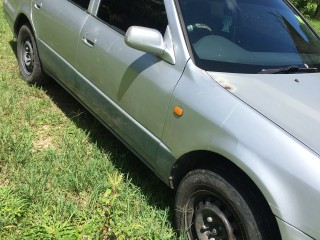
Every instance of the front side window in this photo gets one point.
(84, 4)
(125, 13)
(246, 36)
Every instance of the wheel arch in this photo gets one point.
(206, 160)
(21, 20)
(227, 169)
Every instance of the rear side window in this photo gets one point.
(125, 13)
(81, 3)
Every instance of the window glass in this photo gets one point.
(248, 35)
(125, 13)
(81, 3)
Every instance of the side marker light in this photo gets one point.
(178, 111)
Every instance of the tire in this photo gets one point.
(209, 207)
(28, 58)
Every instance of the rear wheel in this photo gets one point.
(208, 207)
(28, 58)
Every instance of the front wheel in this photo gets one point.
(28, 58)
(209, 207)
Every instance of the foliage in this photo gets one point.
(12, 208)
(307, 7)
(315, 24)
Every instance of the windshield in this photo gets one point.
(248, 36)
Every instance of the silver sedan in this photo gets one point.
(220, 98)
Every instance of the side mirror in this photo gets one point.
(150, 41)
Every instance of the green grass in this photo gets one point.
(62, 174)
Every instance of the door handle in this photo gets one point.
(38, 5)
(89, 40)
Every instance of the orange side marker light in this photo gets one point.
(178, 111)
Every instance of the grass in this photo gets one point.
(62, 174)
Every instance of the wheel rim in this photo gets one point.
(213, 219)
(27, 56)
(212, 223)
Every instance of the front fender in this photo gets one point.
(214, 120)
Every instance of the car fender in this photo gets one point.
(214, 120)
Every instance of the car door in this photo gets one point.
(138, 84)
(57, 26)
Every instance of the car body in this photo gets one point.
(179, 117)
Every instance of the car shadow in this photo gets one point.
(158, 194)
(13, 45)
(133, 71)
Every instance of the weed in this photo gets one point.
(62, 174)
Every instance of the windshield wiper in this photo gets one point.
(287, 70)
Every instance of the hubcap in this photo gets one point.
(214, 222)
(27, 56)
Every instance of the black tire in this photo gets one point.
(209, 207)
(28, 58)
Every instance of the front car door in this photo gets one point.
(138, 84)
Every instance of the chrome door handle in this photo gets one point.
(38, 5)
(89, 40)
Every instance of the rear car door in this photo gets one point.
(139, 84)
(58, 24)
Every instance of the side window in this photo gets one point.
(125, 13)
(81, 3)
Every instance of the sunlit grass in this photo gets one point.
(62, 174)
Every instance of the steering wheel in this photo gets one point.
(197, 31)
(199, 26)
